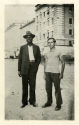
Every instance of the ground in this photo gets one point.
(13, 95)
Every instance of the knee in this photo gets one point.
(57, 90)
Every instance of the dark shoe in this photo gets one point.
(57, 108)
(24, 105)
(46, 105)
(34, 104)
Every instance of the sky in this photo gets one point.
(18, 13)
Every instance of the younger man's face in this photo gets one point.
(51, 43)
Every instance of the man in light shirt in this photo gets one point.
(53, 74)
(28, 62)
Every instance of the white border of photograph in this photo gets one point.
(2, 66)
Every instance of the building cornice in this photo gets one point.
(30, 22)
(39, 6)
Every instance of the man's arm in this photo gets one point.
(20, 62)
(38, 56)
(62, 67)
(45, 64)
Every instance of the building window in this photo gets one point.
(52, 9)
(48, 21)
(43, 36)
(40, 15)
(37, 18)
(70, 31)
(44, 14)
(70, 9)
(43, 24)
(70, 20)
(48, 34)
(48, 11)
(52, 33)
(52, 20)
(70, 43)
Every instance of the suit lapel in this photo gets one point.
(34, 50)
(27, 53)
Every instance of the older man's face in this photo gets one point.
(29, 39)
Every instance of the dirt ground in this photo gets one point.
(13, 95)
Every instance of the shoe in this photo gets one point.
(46, 105)
(33, 104)
(57, 108)
(24, 105)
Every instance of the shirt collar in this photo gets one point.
(30, 45)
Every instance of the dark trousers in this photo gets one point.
(29, 79)
(53, 78)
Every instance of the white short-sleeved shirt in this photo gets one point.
(52, 60)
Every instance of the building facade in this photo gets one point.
(55, 21)
(51, 21)
(12, 40)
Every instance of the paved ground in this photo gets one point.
(13, 93)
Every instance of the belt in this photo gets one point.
(32, 60)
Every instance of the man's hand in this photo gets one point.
(61, 76)
(44, 76)
(19, 73)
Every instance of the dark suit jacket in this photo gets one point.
(23, 61)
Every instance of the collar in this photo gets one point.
(30, 45)
(53, 49)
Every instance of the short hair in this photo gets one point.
(54, 40)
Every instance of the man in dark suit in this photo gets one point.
(28, 62)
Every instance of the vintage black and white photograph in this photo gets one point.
(39, 62)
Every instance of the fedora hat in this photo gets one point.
(28, 33)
